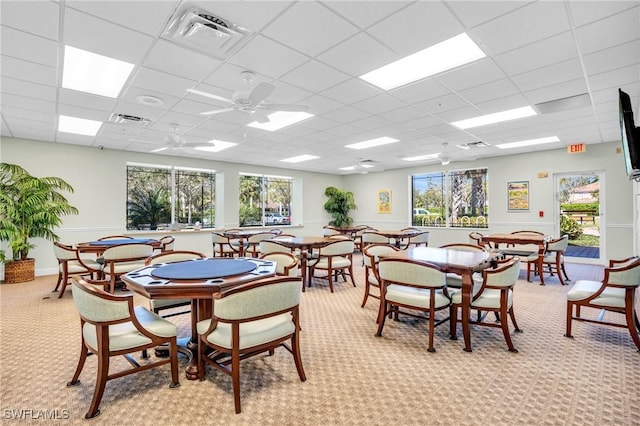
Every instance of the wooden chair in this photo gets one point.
(357, 236)
(494, 295)
(272, 246)
(455, 280)
(158, 305)
(371, 236)
(221, 245)
(335, 258)
(418, 239)
(70, 263)
(253, 243)
(553, 259)
(248, 320)
(123, 258)
(166, 243)
(526, 252)
(371, 255)
(615, 293)
(286, 263)
(329, 230)
(111, 326)
(414, 285)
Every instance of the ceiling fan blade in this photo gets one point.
(260, 93)
(210, 95)
(217, 111)
(260, 117)
(284, 107)
(160, 149)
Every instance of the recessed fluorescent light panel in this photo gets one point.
(300, 158)
(281, 119)
(364, 166)
(92, 73)
(529, 142)
(79, 126)
(498, 117)
(215, 146)
(443, 56)
(421, 157)
(372, 142)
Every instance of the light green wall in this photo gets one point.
(99, 179)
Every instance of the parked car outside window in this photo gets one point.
(270, 218)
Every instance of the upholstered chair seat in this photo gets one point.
(610, 296)
(251, 333)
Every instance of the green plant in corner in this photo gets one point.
(30, 207)
(338, 205)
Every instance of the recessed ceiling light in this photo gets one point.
(149, 100)
(215, 146)
(92, 73)
(443, 56)
(280, 119)
(359, 166)
(78, 126)
(498, 117)
(372, 142)
(421, 157)
(300, 158)
(529, 142)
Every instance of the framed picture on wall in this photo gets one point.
(384, 201)
(518, 195)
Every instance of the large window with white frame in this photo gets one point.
(456, 199)
(168, 197)
(265, 200)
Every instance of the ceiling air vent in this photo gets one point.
(478, 144)
(129, 120)
(205, 32)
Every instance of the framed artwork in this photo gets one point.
(384, 201)
(518, 195)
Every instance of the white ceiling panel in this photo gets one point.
(312, 52)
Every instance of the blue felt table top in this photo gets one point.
(203, 269)
(121, 241)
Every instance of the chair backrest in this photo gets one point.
(372, 252)
(256, 238)
(338, 248)
(559, 244)
(373, 237)
(410, 272)
(464, 247)
(219, 238)
(97, 306)
(339, 237)
(167, 242)
(623, 273)
(127, 251)
(258, 299)
(505, 275)
(475, 238)
(328, 231)
(285, 262)
(272, 246)
(174, 256)
(528, 232)
(64, 252)
(420, 238)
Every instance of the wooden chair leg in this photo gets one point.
(235, 373)
(631, 318)
(566, 277)
(367, 287)
(453, 321)
(505, 329)
(101, 381)
(567, 332)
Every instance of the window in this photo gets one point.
(162, 197)
(265, 200)
(450, 199)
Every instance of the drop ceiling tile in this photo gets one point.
(620, 77)
(28, 103)
(321, 105)
(30, 132)
(28, 89)
(314, 76)
(619, 28)
(413, 93)
(585, 12)
(351, 91)
(346, 114)
(172, 59)
(28, 47)
(358, 55)
(363, 17)
(87, 32)
(557, 91)
(442, 104)
(550, 75)
(493, 90)
(86, 100)
(132, 92)
(41, 20)
(13, 112)
(528, 24)
(379, 104)
(82, 112)
(402, 114)
(473, 13)
(610, 59)
(404, 32)
(475, 74)
(259, 52)
(146, 78)
(29, 71)
(305, 25)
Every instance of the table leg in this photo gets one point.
(303, 267)
(200, 309)
(541, 265)
(467, 289)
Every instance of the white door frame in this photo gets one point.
(602, 218)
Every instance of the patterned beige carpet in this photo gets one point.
(353, 377)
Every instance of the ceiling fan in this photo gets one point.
(252, 102)
(362, 166)
(174, 141)
(444, 157)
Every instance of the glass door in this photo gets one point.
(579, 196)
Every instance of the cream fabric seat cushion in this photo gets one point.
(252, 333)
(125, 335)
(336, 262)
(490, 298)
(414, 296)
(613, 297)
(75, 267)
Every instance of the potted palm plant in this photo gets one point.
(30, 207)
(338, 205)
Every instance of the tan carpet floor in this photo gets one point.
(353, 377)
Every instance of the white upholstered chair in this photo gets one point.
(248, 320)
(253, 243)
(371, 256)
(111, 326)
(335, 258)
(221, 245)
(615, 293)
(413, 285)
(553, 259)
(455, 280)
(286, 262)
(495, 294)
(418, 239)
(123, 258)
(70, 263)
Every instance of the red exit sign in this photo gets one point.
(576, 147)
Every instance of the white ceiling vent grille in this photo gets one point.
(131, 120)
(205, 32)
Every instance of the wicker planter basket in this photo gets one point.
(19, 271)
